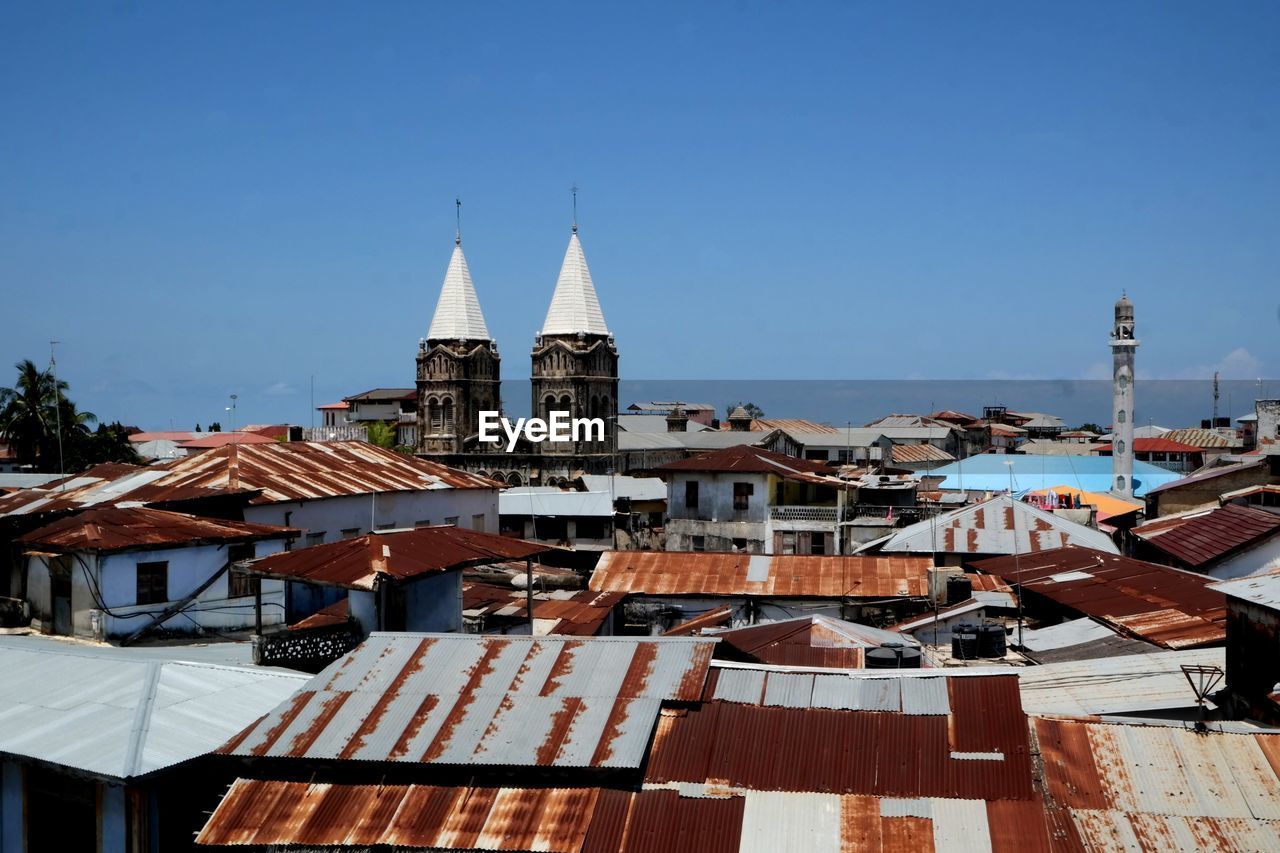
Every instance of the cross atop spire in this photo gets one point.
(574, 305)
(458, 315)
(457, 238)
(574, 189)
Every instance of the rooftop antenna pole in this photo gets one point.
(457, 236)
(574, 189)
(57, 410)
(1017, 572)
(1214, 423)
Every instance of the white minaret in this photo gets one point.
(1123, 345)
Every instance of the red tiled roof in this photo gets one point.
(1204, 539)
(745, 458)
(107, 529)
(400, 555)
(1165, 606)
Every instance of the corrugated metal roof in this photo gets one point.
(805, 641)
(1206, 538)
(551, 501)
(915, 453)
(999, 525)
(1263, 590)
(710, 574)
(1165, 606)
(459, 699)
(566, 612)
(106, 529)
(1124, 684)
(987, 472)
(1129, 784)
(1202, 438)
(1073, 632)
(902, 748)
(1211, 474)
(125, 717)
(400, 555)
(745, 458)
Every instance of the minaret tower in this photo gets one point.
(458, 363)
(575, 360)
(1123, 347)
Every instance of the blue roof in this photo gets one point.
(988, 472)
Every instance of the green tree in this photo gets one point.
(382, 434)
(27, 413)
(1091, 427)
(216, 426)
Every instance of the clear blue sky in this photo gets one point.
(201, 199)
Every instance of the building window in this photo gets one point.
(691, 494)
(451, 519)
(477, 522)
(591, 528)
(739, 544)
(239, 582)
(350, 532)
(425, 522)
(315, 538)
(699, 543)
(742, 494)
(153, 583)
(818, 544)
(788, 543)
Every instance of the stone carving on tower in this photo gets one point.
(1123, 348)
(459, 369)
(575, 359)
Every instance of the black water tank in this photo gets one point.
(959, 588)
(991, 640)
(882, 658)
(911, 658)
(964, 641)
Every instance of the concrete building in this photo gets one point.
(109, 573)
(747, 499)
(1123, 348)
(1253, 645)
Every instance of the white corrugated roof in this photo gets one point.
(574, 305)
(1263, 590)
(1124, 684)
(458, 314)
(123, 717)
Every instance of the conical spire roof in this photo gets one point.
(574, 306)
(458, 313)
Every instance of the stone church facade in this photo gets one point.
(574, 370)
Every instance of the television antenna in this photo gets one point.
(1204, 680)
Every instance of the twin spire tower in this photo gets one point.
(574, 369)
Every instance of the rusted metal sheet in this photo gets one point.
(853, 752)
(706, 575)
(574, 613)
(999, 525)
(398, 555)
(1201, 540)
(263, 813)
(816, 641)
(1171, 608)
(107, 529)
(466, 700)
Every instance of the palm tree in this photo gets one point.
(27, 413)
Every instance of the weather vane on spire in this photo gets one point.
(457, 237)
(574, 189)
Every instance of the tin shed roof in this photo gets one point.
(711, 574)
(400, 555)
(484, 700)
(999, 525)
(1205, 538)
(109, 528)
(125, 717)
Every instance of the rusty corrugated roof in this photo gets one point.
(106, 529)
(978, 750)
(566, 612)
(908, 453)
(1158, 788)
(557, 820)
(1205, 538)
(815, 641)
(456, 699)
(1165, 606)
(399, 555)
(713, 618)
(749, 459)
(710, 574)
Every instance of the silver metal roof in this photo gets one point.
(574, 305)
(1113, 685)
(553, 501)
(990, 527)
(458, 315)
(465, 699)
(123, 717)
(1263, 590)
(1073, 632)
(776, 686)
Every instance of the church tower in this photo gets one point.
(575, 360)
(458, 365)
(1123, 347)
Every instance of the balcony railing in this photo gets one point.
(350, 432)
(803, 513)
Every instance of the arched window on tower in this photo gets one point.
(446, 415)
(548, 404)
(433, 415)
